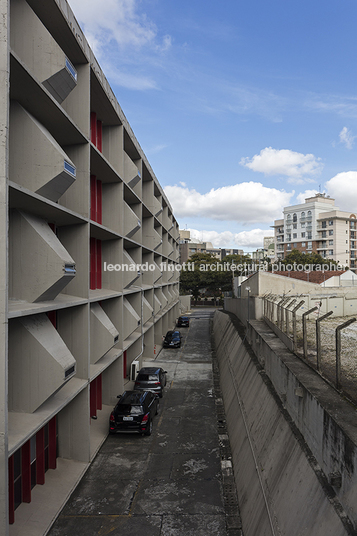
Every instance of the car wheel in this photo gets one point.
(149, 428)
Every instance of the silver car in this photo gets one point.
(151, 379)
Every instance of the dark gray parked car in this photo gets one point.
(151, 379)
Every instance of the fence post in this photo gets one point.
(271, 307)
(338, 350)
(287, 326)
(294, 323)
(279, 312)
(318, 338)
(304, 330)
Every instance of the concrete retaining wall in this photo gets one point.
(239, 307)
(283, 479)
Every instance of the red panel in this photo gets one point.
(52, 315)
(11, 491)
(99, 392)
(93, 398)
(99, 202)
(93, 265)
(93, 198)
(124, 364)
(26, 472)
(99, 264)
(99, 136)
(93, 128)
(40, 456)
(52, 444)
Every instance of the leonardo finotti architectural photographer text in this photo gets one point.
(222, 267)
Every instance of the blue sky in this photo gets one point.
(241, 108)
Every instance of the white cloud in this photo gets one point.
(343, 188)
(347, 137)
(113, 20)
(122, 38)
(300, 198)
(247, 202)
(226, 239)
(295, 166)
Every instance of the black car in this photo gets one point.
(134, 412)
(172, 339)
(183, 321)
(151, 379)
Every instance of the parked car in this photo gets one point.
(183, 321)
(134, 412)
(172, 339)
(151, 379)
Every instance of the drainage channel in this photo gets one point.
(231, 506)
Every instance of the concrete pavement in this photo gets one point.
(178, 481)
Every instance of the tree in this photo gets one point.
(313, 259)
(204, 276)
(211, 274)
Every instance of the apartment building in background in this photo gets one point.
(86, 230)
(317, 226)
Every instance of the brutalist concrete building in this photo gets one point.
(89, 245)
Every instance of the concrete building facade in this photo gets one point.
(89, 245)
(317, 226)
(188, 248)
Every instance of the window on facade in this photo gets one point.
(330, 232)
(309, 245)
(302, 235)
(303, 225)
(303, 214)
(309, 235)
(295, 244)
(294, 217)
(330, 251)
(323, 224)
(330, 222)
(294, 235)
(303, 244)
(295, 226)
(330, 242)
(323, 234)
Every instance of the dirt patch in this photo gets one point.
(328, 351)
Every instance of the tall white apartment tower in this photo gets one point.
(317, 226)
(77, 195)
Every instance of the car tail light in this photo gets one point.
(157, 383)
(112, 418)
(137, 383)
(145, 419)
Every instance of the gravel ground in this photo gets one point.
(328, 351)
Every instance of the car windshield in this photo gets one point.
(135, 410)
(146, 378)
(126, 409)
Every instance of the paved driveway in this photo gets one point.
(174, 482)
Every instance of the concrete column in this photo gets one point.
(4, 119)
